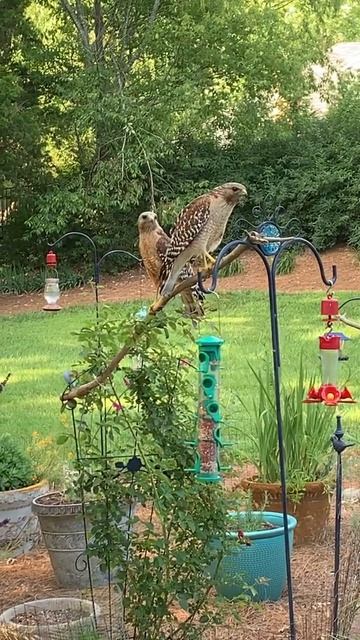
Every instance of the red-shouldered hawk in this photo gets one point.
(153, 243)
(199, 229)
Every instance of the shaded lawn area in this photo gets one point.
(38, 347)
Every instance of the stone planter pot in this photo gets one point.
(312, 512)
(73, 628)
(62, 527)
(19, 528)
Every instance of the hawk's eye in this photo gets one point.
(235, 188)
(155, 217)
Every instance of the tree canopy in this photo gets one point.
(109, 108)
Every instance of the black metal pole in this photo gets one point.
(339, 446)
(274, 322)
(282, 459)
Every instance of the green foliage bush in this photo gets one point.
(93, 129)
(17, 279)
(16, 469)
(147, 408)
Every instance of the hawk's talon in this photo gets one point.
(208, 261)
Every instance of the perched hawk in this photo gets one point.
(153, 244)
(199, 229)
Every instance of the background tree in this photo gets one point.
(153, 101)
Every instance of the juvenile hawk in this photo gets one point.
(153, 244)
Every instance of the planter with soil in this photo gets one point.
(312, 509)
(19, 530)
(53, 618)
(62, 527)
(256, 569)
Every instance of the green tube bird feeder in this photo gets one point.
(208, 443)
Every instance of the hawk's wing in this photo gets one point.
(188, 225)
(162, 244)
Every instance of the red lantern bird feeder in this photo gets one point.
(331, 356)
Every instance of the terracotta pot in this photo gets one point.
(312, 511)
(19, 528)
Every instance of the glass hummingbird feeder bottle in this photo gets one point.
(331, 355)
(52, 288)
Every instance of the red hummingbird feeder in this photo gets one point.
(331, 356)
(52, 288)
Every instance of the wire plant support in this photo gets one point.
(270, 254)
(133, 465)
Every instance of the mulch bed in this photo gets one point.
(45, 617)
(30, 577)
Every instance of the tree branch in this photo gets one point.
(84, 389)
(154, 11)
(99, 30)
(77, 17)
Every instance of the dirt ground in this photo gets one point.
(134, 285)
(31, 577)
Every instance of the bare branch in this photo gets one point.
(152, 191)
(78, 18)
(84, 389)
(99, 30)
(154, 11)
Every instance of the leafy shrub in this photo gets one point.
(287, 262)
(16, 469)
(150, 411)
(234, 268)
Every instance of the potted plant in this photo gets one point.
(253, 563)
(309, 456)
(20, 482)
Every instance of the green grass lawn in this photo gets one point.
(37, 348)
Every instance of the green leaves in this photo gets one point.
(16, 469)
(62, 439)
(307, 431)
(161, 550)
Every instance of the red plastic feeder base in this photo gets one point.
(329, 395)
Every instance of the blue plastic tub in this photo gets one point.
(258, 570)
